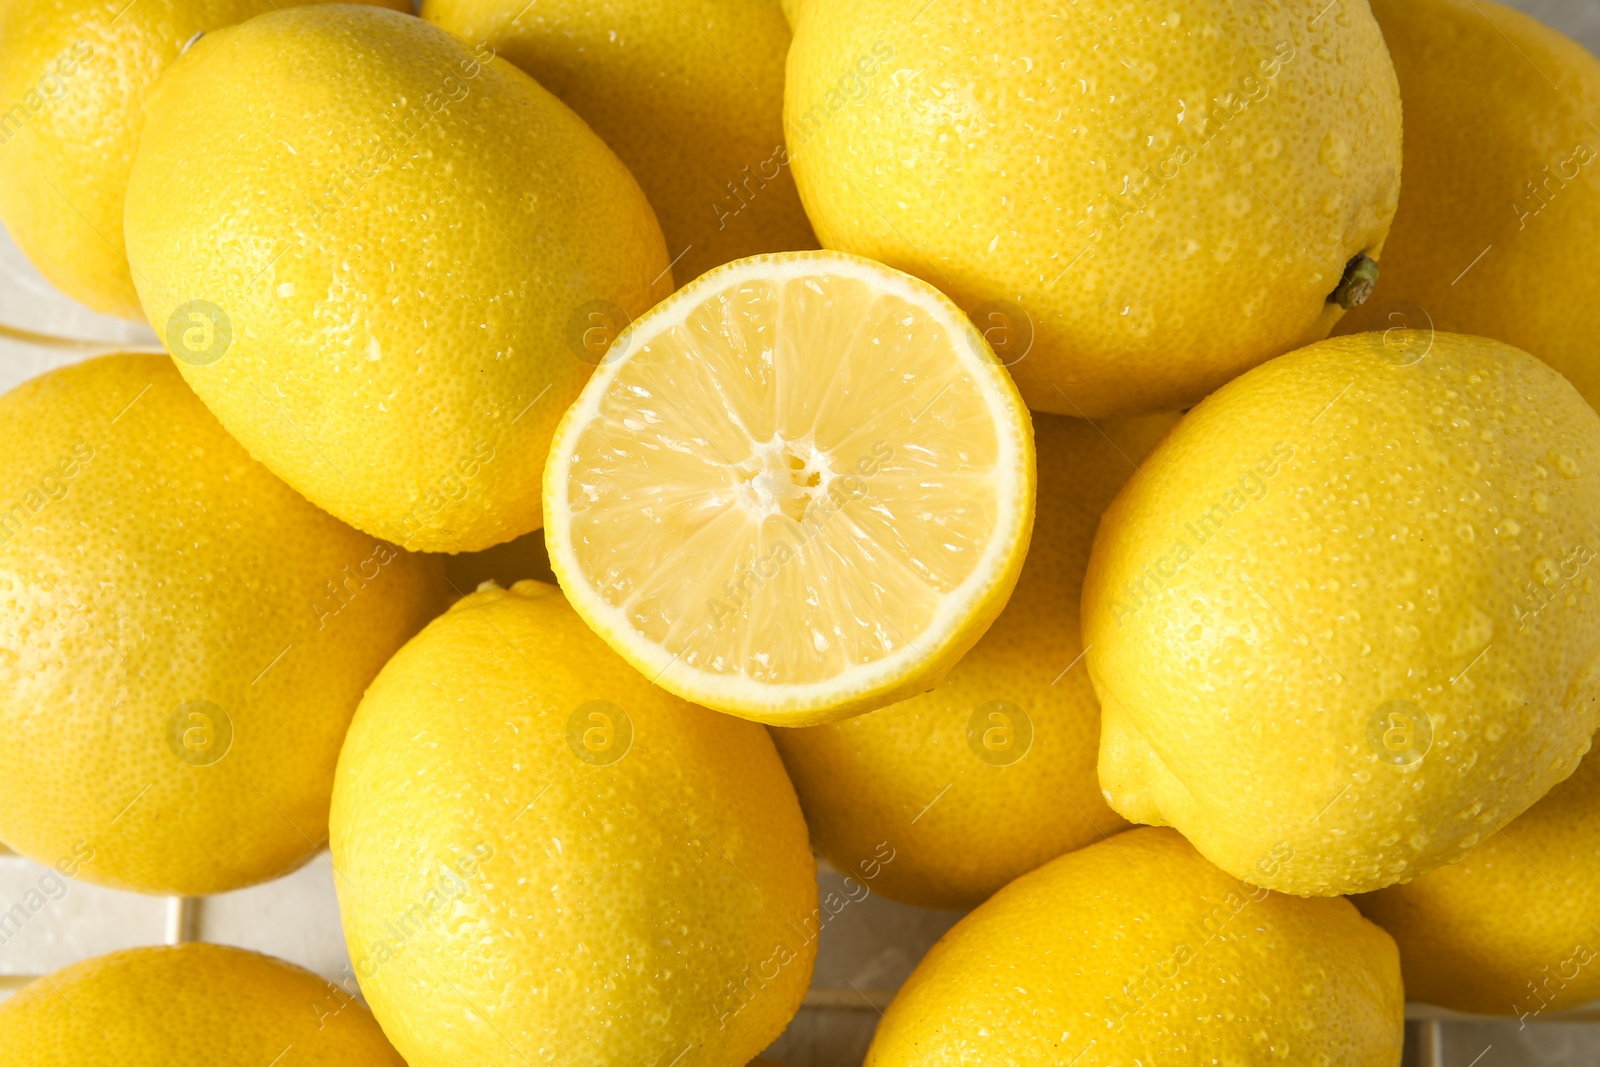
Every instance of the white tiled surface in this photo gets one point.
(864, 954)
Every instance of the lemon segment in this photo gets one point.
(796, 490)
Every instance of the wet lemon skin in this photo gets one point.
(1348, 622)
(183, 638)
(617, 887)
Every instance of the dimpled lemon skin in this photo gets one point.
(688, 93)
(407, 240)
(1137, 951)
(965, 817)
(194, 1005)
(653, 895)
(147, 562)
(1500, 215)
(73, 75)
(1168, 194)
(1346, 623)
(1511, 929)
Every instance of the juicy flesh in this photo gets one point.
(788, 484)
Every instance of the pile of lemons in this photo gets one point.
(1031, 547)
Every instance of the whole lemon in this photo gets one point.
(689, 93)
(195, 1005)
(1500, 216)
(1149, 199)
(1347, 624)
(1511, 929)
(183, 638)
(1136, 950)
(539, 850)
(993, 772)
(382, 277)
(73, 74)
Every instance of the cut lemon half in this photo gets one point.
(796, 490)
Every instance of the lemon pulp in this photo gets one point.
(798, 487)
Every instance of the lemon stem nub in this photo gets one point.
(1360, 275)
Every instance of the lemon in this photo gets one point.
(1513, 929)
(791, 11)
(1154, 198)
(1137, 951)
(388, 305)
(539, 854)
(1496, 229)
(195, 1005)
(689, 93)
(993, 772)
(798, 489)
(73, 75)
(1346, 624)
(183, 639)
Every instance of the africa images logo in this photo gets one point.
(1197, 531)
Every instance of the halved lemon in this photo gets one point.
(796, 490)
